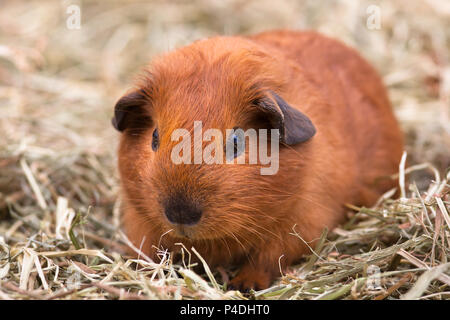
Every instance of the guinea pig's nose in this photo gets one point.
(182, 211)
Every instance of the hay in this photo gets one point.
(60, 236)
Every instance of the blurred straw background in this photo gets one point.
(59, 222)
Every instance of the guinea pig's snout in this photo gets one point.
(180, 210)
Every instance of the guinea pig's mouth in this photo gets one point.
(186, 232)
(183, 232)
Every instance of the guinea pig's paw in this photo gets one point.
(250, 279)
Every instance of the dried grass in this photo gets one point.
(60, 236)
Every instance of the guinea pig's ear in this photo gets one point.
(129, 111)
(295, 127)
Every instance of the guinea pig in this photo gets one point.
(327, 112)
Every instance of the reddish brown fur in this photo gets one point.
(248, 217)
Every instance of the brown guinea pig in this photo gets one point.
(338, 144)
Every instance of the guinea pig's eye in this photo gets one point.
(155, 140)
(235, 145)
